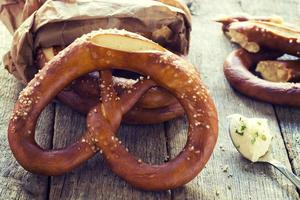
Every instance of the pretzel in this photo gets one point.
(156, 105)
(242, 17)
(264, 41)
(102, 50)
(237, 69)
(261, 33)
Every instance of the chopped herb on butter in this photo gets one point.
(255, 135)
(239, 132)
(253, 140)
(263, 137)
(243, 128)
(251, 136)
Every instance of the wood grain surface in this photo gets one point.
(226, 176)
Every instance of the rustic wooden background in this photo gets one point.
(59, 126)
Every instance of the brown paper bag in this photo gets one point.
(58, 23)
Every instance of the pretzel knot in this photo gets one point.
(263, 41)
(102, 51)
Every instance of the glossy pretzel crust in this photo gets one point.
(237, 69)
(263, 39)
(94, 53)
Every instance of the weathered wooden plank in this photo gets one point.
(289, 124)
(94, 180)
(15, 182)
(242, 180)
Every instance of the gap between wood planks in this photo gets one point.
(282, 135)
(287, 148)
(51, 147)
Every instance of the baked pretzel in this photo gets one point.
(102, 50)
(264, 40)
(227, 20)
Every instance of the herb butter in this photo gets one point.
(251, 136)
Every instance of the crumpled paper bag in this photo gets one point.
(58, 23)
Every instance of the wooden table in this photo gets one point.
(59, 126)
